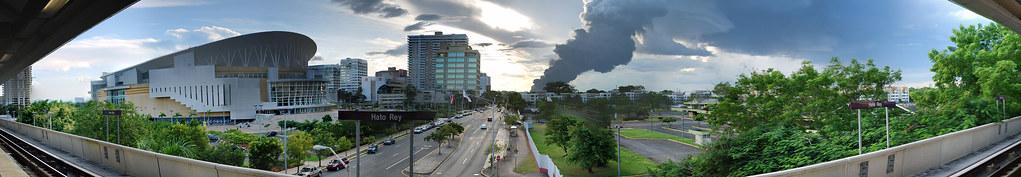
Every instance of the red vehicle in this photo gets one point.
(336, 165)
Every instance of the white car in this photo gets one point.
(483, 126)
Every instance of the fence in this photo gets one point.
(911, 158)
(135, 162)
(545, 163)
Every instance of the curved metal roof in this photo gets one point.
(280, 49)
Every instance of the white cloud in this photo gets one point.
(503, 18)
(167, 3)
(188, 38)
(965, 14)
(659, 72)
(89, 52)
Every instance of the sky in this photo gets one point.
(678, 45)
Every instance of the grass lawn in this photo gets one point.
(634, 164)
(644, 120)
(527, 165)
(649, 134)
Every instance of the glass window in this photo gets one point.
(470, 76)
(472, 65)
(439, 70)
(473, 59)
(458, 76)
(440, 65)
(459, 65)
(439, 76)
(458, 70)
(439, 60)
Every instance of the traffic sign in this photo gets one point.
(112, 112)
(1001, 97)
(871, 104)
(388, 116)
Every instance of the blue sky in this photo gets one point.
(681, 45)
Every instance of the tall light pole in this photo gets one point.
(321, 147)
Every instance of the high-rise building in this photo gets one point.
(226, 79)
(484, 84)
(442, 63)
(18, 90)
(352, 70)
(330, 73)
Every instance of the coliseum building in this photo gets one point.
(229, 79)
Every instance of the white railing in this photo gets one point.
(545, 163)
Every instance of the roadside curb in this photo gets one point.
(668, 128)
(699, 147)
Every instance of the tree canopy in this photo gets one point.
(559, 87)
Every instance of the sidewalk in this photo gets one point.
(519, 143)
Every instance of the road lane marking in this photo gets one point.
(465, 161)
(394, 155)
(391, 166)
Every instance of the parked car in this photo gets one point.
(309, 172)
(483, 126)
(336, 165)
(389, 141)
(373, 149)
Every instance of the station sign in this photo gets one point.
(112, 112)
(871, 104)
(386, 116)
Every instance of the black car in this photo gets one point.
(388, 141)
(373, 149)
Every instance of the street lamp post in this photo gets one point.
(321, 147)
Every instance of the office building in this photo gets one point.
(18, 90)
(444, 63)
(332, 75)
(484, 85)
(230, 79)
(352, 70)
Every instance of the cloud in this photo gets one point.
(100, 51)
(398, 51)
(428, 17)
(662, 72)
(530, 43)
(187, 38)
(484, 44)
(363, 7)
(416, 26)
(167, 3)
(965, 14)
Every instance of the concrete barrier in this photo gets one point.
(543, 161)
(135, 162)
(914, 157)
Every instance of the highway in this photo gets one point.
(470, 157)
(391, 159)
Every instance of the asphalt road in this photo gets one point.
(391, 159)
(469, 159)
(659, 150)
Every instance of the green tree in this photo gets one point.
(668, 120)
(591, 147)
(327, 119)
(630, 88)
(438, 136)
(510, 119)
(982, 63)
(322, 137)
(235, 136)
(410, 93)
(558, 131)
(264, 153)
(672, 168)
(224, 153)
(515, 102)
(298, 145)
(594, 91)
(559, 87)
